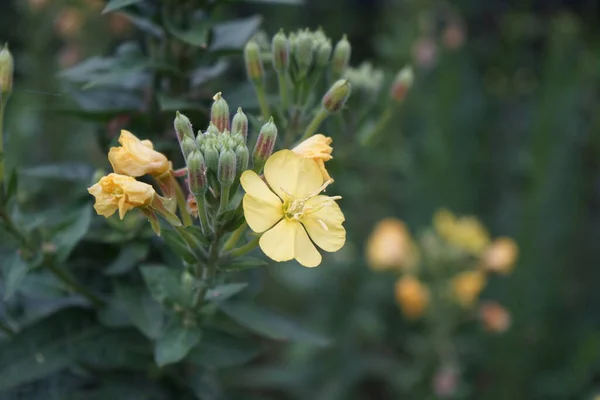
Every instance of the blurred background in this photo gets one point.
(502, 123)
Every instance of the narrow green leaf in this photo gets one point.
(66, 239)
(172, 104)
(196, 35)
(165, 285)
(197, 232)
(234, 34)
(113, 5)
(144, 311)
(221, 350)
(178, 246)
(224, 292)
(175, 343)
(14, 271)
(243, 263)
(11, 185)
(128, 258)
(269, 324)
(59, 171)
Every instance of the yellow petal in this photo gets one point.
(262, 208)
(137, 157)
(287, 172)
(105, 205)
(288, 240)
(325, 224)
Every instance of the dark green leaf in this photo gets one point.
(197, 232)
(144, 24)
(114, 314)
(202, 75)
(242, 263)
(14, 271)
(234, 34)
(122, 348)
(223, 292)
(60, 171)
(175, 343)
(178, 246)
(128, 258)
(11, 185)
(196, 35)
(172, 104)
(146, 314)
(67, 238)
(220, 350)
(269, 324)
(233, 219)
(113, 5)
(165, 285)
(288, 2)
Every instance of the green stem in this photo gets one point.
(382, 123)
(262, 101)
(6, 329)
(182, 204)
(2, 141)
(201, 204)
(235, 237)
(209, 271)
(315, 123)
(283, 91)
(71, 283)
(224, 198)
(245, 249)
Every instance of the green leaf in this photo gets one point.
(165, 285)
(60, 171)
(113, 5)
(14, 271)
(118, 348)
(196, 35)
(234, 34)
(175, 343)
(11, 185)
(197, 232)
(269, 324)
(128, 258)
(233, 218)
(178, 246)
(224, 292)
(221, 350)
(66, 239)
(242, 263)
(146, 314)
(172, 104)
(288, 2)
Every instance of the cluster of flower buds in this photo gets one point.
(217, 157)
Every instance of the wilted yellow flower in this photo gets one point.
(119, 192)
(494, 317)
(290, 210)
(391, 246)
(501, 256)
(466, 233)
(316, 147)
(137, 157)
(412, 296)
(467, 286)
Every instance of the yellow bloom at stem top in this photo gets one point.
(467, 286)
(412, 296)
(316, 147)
(466, 233)
(290, 210)
(391, 246)
(137, 157)
(501, 256)
(119, 192)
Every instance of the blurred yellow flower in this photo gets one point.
(318, 148)
(495, 318)
(118, 192)
(290, 207)
(391, 246)
(501, 256)
(467, 286)
(412, 296)
(466, 233)
(137, 157)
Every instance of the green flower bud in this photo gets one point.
(254, 65)
(239, 124)
(242, 157)
(304, 52)
(6, 72)
(196, 173)
(211, 155)
(323, 54)
(341, 56)
(212, 130)
(281, 52)
(219, 113)
(183, 127)
(227, 168)
(293, 42)
(200, 141)
(336, 96)
(188, 145)
(264, 145)
(402, 83)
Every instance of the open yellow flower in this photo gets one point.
(391, 246)
(290, 209)
(137, 157)
(501, 256)
(119, 192)
(466, 233)
(316, 147)
(467, 286)
(412, 296)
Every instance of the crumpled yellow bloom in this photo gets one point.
(412, 296)
(467, 286)
(316, 147)
(391, 246)
(119, 192)
(290, 210)
(466, 233)
(501, 256)
(137, 157)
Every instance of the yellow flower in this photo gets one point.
(391, 246)
(466, 233)
(318, 148)
(501, 256)
(495, 318)
(290, 207)
(444, 222)
(412, 296)
(137, 157)
(119, 192)
(467, 286)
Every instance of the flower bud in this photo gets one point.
(281, 52)
(183, 127)
(336, 96)
(196, 173)
(227, 168)
(6, 72)
(219, 113)
(188, 145)
(242, 156)
(254, 66)
(264, 145)
(341, 56)
(200, 141)
(403, 82)
(211, 155)
(239, 124)
(212, 130)
(304, 52)
(323, 54)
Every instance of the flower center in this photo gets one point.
(294, 208)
